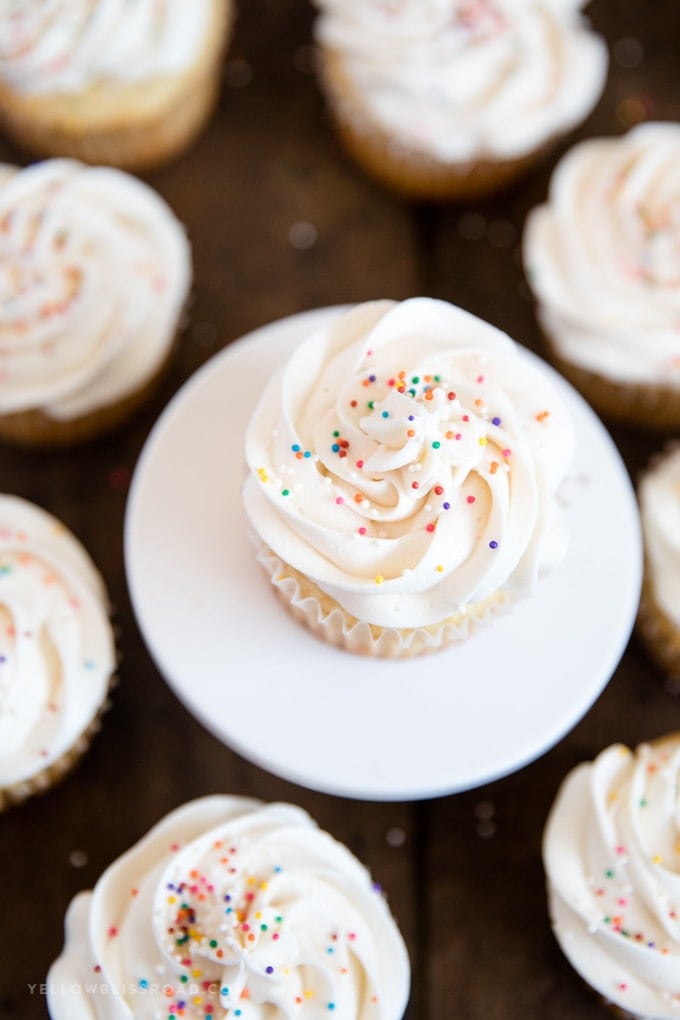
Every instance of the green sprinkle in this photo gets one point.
(436, 444)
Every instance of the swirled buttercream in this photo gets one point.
(659, 497)
(94, 273)
(407, 460)
(464, 79)
(69, 45)
(232, 908)
(603, 256)
(56, 646)
(611, 859)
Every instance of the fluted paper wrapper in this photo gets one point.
(329, 621)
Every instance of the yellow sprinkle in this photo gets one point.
(264, 885)
(172, 899)
(251, 880)
(262, 472)
(196, 972)
(656, 859)
(483, 440)
(439, 568)
(197, 1000)
(379, 579)
(309, 993)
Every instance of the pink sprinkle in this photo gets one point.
(360, 463)
(362, 531)
(339, 500)
(471, 499)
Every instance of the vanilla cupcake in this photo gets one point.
(603, 258)
(454, 99)
(659, 615)
(611, 858)
(106, 81)
(231, 907)
(404, 475)
(57, 655)
(94, 275)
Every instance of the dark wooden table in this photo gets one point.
(463, 872)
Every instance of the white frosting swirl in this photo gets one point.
(56, 645)
(603, 256)
(232, 908)
(94, 272)
(611, 858)
(407, 460)
(69, 45)
(460, 79)
(659, 497)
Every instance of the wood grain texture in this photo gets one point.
(281, 221)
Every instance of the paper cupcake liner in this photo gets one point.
(40, 782)
(329, 621)
(658, 633)
(652, 407)
(406, 170)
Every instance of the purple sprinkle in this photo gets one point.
(269, 970)
(495, 421)
(493, 544)
(411, 417)
(447, 506)
(371, 378)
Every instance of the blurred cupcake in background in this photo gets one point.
(602, 256)
(57, 651)
(108, 81)
(610, 851)
(454, 99)
(659, 616)
(95, 270)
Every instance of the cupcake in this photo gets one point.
(454, 99)
(106, 81)
(404, 475)
(94, 275)
(231, 907)
(659, 615)
(57, 654)
(611, 858)
(603, 258)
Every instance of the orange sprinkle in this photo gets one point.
(428, 395)
(494, 467)
(542, 415)
(411, 432)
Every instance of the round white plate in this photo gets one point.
(319, 716)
